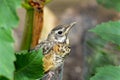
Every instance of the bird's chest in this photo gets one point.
(55, 57)
(60, 51)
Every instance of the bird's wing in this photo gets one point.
(40, 45)
(48, 45)
(45, 45)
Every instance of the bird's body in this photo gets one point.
(55, 57)
(54, 54)
(55, 47)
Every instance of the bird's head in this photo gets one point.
(60, 33)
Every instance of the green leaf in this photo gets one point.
(107, 73)
(8, 15)
(95, 43)
(114, 4)
(29, 65)
(3, 78)
(100, 55)
(109, 31)
(6, 53)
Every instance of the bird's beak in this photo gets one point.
(68, 27)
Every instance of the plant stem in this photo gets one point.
(27, 35)
(33, 25)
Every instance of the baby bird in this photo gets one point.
(55, 47)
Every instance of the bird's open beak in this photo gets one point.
(68, 27)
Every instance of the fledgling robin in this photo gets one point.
(55, 47)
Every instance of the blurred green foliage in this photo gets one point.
(102, 57)
(109, 31)
(8, 21)
(114, 4)
(28, 65)
(7, 56)
(8, 15)
(107, 73)
(99, 56)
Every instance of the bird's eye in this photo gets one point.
(59, 32)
